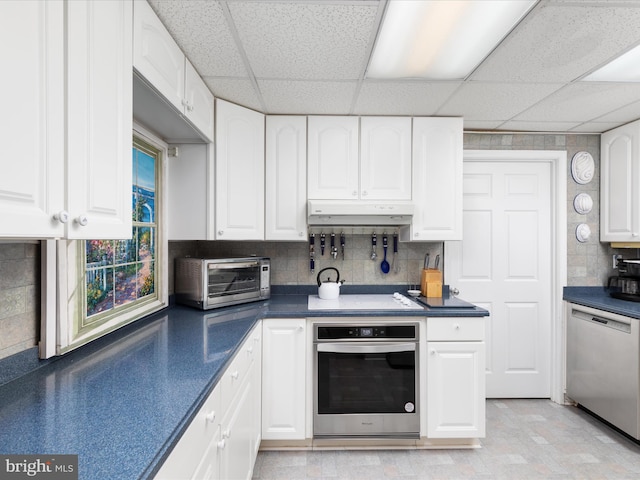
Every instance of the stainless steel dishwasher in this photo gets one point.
(603, 365)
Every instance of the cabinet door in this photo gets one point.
(198, 102)
(286, 178)
(283, 370)
(157, 57)
(333, 161)
(190, 199)
(32, 94)
(455, 389)
(385, 158)
(239, 173)
(437, 180)
(620, 184)
(99, 119)
(236, 450)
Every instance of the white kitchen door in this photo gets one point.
(504, 264)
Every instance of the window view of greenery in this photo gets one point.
(120, 272)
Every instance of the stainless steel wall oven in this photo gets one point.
(366, 380)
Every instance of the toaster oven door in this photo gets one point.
(232, 282)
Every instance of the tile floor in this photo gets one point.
(526, 439)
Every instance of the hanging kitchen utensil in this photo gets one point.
(373, 246)
(322, 243)
(334, 249)
(342, 244)
(312, 253)
(384, 266)
(395, 265)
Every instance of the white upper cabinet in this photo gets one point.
(99, 119)
(32, 165)
(385, 158)
(333, 158)
(620, 184)
(437, 180)
(160, 61)
(353, 158)
(92, 41)
(286, 178)
(239, 173)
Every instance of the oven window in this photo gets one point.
(366, 382)
(229, 281)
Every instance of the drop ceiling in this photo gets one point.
(310, 57)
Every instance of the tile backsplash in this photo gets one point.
(290, 260)
(19, 297)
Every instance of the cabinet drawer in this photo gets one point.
(236, 373)
(455, 328)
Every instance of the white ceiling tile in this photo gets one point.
(624, 114)
(199, 27)
(595, 127)
(235, 90)
(531, 126)
(562, 41)
(295, 40)
(579, 102)
(306, 97)
(496, 101)
(402, 98)
(481, 125)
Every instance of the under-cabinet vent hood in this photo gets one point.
(354, 213)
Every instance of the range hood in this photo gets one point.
(355, 213)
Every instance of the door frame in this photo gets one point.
(558, 162)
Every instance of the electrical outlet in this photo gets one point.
(615, 260)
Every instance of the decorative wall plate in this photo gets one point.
(583, 232)
(582, 167)
(583, 203)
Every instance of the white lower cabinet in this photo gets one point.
(284, 373)
(455, 378)
(223, 438)
(197, 450)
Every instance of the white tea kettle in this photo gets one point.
(329, 290)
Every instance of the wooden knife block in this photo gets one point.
(431, 282)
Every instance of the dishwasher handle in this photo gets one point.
(602, 321)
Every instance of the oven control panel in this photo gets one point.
(366, 332)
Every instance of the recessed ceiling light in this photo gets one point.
(625, 68)
(441, 39)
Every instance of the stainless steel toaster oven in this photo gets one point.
(219, 282)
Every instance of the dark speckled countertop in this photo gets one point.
(123, 401)
(598, 297)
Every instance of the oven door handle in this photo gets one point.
(365, 348)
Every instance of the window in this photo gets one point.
(109, 283)
(120, 273)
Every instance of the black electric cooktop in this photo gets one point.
(444, 302)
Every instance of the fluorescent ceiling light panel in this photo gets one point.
(625, 68)
(441, 39)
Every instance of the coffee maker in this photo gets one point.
(626, 286)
